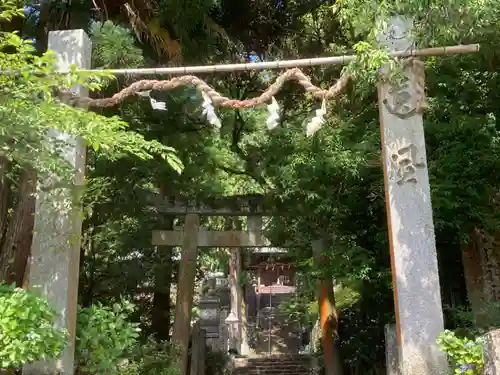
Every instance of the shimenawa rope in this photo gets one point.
(222, 101)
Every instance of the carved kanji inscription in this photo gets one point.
(399, 100)
(405, 163)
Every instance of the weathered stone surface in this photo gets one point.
(492, 353)
(391, 350)
(187, 274)
(240, 205)
(55, 251)
(236, 318)
(212, 238)
(417, 294)
(198, 351)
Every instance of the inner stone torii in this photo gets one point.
(191, 237)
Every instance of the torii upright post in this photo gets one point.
(417, 297)
(185, 290)
(55, 250)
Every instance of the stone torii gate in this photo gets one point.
(191, 237)
(56, 241)
(417, 294)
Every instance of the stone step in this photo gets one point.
(277, 369)
(272, 372)
(273, 365)
(296, 358)
(275, 360)
(276, 372)
(281, 364)
(270, 368)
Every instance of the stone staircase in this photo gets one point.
(281, 364)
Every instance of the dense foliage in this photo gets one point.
(152, 358)
(29, 109)
(465, 354)
(327, 185)
(104, 337)
(27, 329)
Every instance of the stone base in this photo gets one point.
(492, 353)
(391, 350)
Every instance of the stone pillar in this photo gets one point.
(313, 347)
(417, 295)
(202, 353)
(185, 290)
(492, 353)
(55, 251)
(223, 331)
(236, 320)
(233, 320)
(198, 351)
(391, 350)
(254, 223)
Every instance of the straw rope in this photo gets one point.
(218, 99)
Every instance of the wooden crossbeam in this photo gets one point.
(212, 238)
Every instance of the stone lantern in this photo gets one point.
(209, 317)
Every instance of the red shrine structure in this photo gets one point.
(272, 274)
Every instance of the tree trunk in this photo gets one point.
(87, 280)
(328, 316)
(160, 314)
(4, 196)
(473, 272)
(16, 246)
(329, 322)
(482, 273)
(42, 30)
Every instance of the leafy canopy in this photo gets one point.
(27, 331)
(30, 112)
(104, 336)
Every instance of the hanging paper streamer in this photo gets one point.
(209, 111)
(317, 121)
(161, 106)
(273, 114)
(155, 104)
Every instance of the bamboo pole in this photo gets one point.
(334, 60)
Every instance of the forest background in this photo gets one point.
(332, 182)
